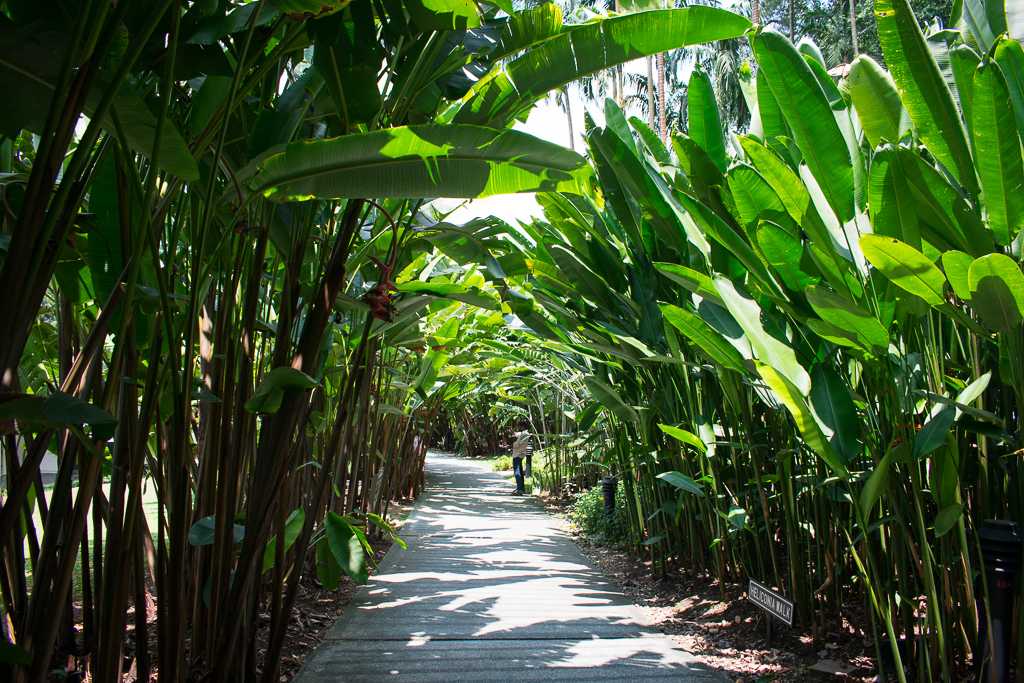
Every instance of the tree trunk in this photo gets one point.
(568, 119)
(791, 20)
(650, 92)
(663, 130)
(853, 28)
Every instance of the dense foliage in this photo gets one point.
(225, 283)
(806, 341)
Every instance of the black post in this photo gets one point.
(529, 459)
(1001, 551)
(608, 494)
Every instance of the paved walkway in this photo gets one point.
(489, 589)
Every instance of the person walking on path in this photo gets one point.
(518, 452)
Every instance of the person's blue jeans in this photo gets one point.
(517, 470)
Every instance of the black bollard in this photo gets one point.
(608, 494)
(1001, 551)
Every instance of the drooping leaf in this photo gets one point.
(697, 282)
(328, 569)
(684, 436)
(346, 547)
(957, 265)
(833, 408)
(850, 318)
(791, 397)
(468, 295)
(292, 528)
(610, 399)
(422, 162)
(280, 381)
(947, 519)
(778, 353)
(934, 432)
(682, 482)
(430, 368)
(875, 485)
(202, 532)
(590, 48)
(710, 342)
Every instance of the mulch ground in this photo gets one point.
(727, 634)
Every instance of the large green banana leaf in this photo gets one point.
(877, 101)
(906, 267)
(30, 61)
(782, 250)
(997, 291)
(1010, 57)
(756, 200)
(591, 48)
(792, 398)
(890, 202)
(789, 188)
(925, 93)
(528, 29)
(423, 161)
(810, 116)
(941, 208)
(711, 343)
(772, 349)
(997, 152)
(703, 118)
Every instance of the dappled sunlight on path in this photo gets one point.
(489, 587)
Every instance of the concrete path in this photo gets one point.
(489, 589)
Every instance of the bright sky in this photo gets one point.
(547, 121)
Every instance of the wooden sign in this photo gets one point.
(770, 601)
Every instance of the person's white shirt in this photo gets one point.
(519, 447)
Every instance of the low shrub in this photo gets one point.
(501, 463)
(586, 513)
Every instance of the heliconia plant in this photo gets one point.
(806, 339)
(209, 210)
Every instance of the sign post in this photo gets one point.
(774, 604)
